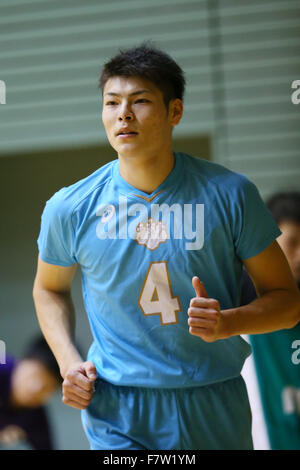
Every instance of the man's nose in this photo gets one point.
(125, 114)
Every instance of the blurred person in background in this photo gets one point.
(275, 357)
(26, 385)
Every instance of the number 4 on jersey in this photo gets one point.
(156, 296)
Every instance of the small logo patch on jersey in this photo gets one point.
(108, 213)
(151, 233)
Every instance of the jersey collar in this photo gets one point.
(172, 179)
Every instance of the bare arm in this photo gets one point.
(278, 304)
(55, 311)
(56, 316)
(277, 307)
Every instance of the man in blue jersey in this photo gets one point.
(161, 238)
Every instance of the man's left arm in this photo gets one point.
(276, 308)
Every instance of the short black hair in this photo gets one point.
(39, 350)
(148, 62)
(285, 206)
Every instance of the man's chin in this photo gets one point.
(129, 151)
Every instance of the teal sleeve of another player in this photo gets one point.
(253, 224)
(56, 238)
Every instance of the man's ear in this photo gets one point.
(175, 111)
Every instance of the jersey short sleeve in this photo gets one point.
(253, 225)
(56, 238)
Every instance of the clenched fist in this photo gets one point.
(78, 385)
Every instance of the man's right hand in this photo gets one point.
(78, 385)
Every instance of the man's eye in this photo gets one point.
(142, 100)
(110, 103)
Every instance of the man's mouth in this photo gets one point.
(126, 131)
(124, 134)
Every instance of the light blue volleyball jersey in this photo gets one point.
(138, 253)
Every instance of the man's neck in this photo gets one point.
(146, 174)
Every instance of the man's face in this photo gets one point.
(290, 244)
(136, 105)
(32, 383)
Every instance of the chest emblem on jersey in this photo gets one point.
(151, 233)
(108, 213)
